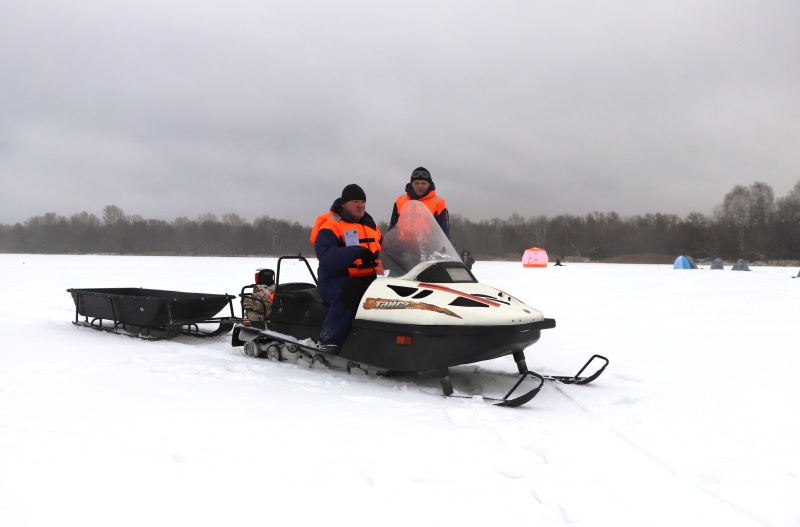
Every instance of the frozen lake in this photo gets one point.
(691, 424)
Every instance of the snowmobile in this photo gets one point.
(426, 313)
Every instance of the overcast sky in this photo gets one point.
(182, 107)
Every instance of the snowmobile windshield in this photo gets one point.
(417, 239)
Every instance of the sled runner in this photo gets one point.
(428, 315)
(152, 314)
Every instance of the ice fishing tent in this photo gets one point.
(717, 264)
(682, 262)
(534, 257)
(740, 265)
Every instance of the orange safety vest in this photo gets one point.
(368, 237)
(435, 204)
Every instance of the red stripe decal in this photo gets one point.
(460, 293)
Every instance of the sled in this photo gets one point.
(429, 314)
(152, 314)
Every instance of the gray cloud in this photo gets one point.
(176, 109)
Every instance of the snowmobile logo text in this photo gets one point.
(390, 304)
(385, 303)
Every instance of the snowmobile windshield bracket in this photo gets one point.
(300, 258)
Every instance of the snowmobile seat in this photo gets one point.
(306, 295)
(294, 286)
(298, 310)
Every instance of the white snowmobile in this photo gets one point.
(427, 313)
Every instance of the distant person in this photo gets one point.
(422, 188)
(558, 262)
(347, 243)
(467, 258)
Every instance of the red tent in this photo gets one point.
(534, 257)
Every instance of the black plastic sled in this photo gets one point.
(152, 314)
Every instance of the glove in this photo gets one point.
(368, 257)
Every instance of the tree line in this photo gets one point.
(750, 224)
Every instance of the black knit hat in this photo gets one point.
(353, 192)
(421, 173)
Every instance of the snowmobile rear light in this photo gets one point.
(403, 340)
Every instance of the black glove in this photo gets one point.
(368, 257)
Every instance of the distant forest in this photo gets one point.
(749, 224)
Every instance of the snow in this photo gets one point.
(692, 423)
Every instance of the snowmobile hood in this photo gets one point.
(412, 302)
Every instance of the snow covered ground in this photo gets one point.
(693, 422)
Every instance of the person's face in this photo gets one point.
(420, 186)
(355, 208)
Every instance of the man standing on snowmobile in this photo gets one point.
(422, 189)
(347, 243)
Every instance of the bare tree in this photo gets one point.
(762, 212)
(85, 230)
(112, 215)
(787, 223)
(734, 214)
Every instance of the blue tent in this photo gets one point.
(682, 262)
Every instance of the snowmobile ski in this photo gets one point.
(577, 379)
(520, 395)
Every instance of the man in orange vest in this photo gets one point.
(347, 243)
(422, 188)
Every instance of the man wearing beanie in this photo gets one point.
(347, 243)
(422, 189)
